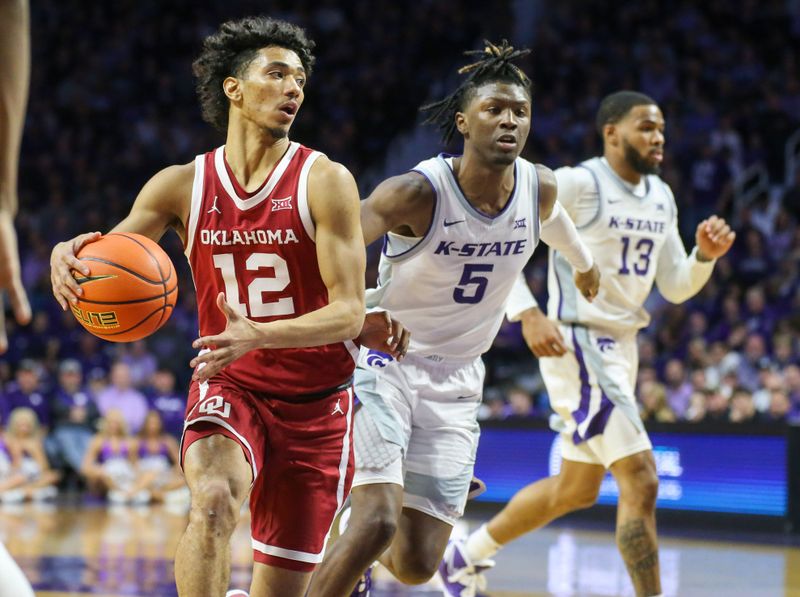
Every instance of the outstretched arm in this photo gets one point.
(162, 203)
(15, 66)
(558, 231)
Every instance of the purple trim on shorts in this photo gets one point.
(586, 390)
(600, 419)
(560, 290)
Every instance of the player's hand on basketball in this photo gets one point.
(542, 334)
(63, 262)
(588, 283)
(241, 335)
(714, 238)
(10, 280)
(384, 333)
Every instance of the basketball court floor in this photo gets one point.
(125, 551)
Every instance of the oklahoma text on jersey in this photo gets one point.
(259, 249)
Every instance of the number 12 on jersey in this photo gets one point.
(256, 305)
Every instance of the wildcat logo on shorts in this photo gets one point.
(215, 405)
(605, 344)
(376, 358)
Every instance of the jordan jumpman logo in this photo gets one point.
(214, 207)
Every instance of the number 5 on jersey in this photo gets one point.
(472, 287)
(256, 305)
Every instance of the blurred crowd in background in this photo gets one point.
(112, 102)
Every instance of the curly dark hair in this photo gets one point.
(494, 65)
(229, 52)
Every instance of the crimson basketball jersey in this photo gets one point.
(259, 250)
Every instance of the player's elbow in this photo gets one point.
(675, 297)
(353, 319)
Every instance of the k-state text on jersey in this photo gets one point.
(509, 247)
(248, 237)
(636, 224)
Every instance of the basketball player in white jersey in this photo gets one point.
(459, 230)
(626, 215)
(14, 76)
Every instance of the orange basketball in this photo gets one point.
(131, 288)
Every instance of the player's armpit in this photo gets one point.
(163, 202)
(403, 204)
(548, 191)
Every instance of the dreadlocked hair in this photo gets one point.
(494, 65)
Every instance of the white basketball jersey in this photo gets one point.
(625, 237)
(450, 287)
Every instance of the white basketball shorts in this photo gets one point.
(418, 428)
(592, 390)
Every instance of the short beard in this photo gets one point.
(637, 162)
(278, 133)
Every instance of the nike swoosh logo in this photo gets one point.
(87, 279)
(465, 397)
(610, 202)
(446, 223)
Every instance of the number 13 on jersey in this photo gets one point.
(256, 305)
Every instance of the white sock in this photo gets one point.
(481, 545)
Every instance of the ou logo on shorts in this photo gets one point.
(215, 405)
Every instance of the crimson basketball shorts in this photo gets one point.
(301, 454)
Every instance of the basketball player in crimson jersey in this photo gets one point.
(272, 233)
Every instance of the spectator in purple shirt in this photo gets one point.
(791, 380)
(29, 392)
(520, 404)
(731, 316)
(743, 410)
(783, 353)
(75, 416)
(679, 390)
(141, 363)
(91, 355)
(120, 395)
(779, 406)
(171, 405)
(754, 360)
(759, 318)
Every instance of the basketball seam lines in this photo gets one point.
(163, 281)
(134, 301)
(123, 268)
(125, 331)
